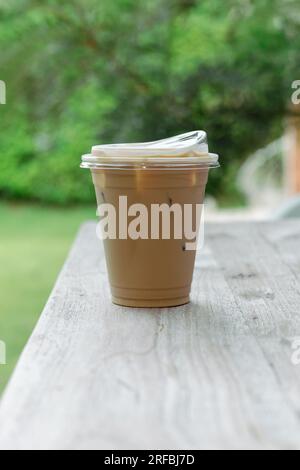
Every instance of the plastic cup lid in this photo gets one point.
(182, 150)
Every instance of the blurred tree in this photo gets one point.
(89, 71)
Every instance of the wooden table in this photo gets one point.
(215, 374)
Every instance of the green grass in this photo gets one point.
(34, 242)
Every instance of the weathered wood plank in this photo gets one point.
(214, 374)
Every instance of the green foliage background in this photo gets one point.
(88, 71)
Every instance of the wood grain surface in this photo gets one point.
(214, 374)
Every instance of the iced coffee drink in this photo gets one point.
(151, 267)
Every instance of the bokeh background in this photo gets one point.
(84, 72)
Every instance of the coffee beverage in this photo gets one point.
(150, 271)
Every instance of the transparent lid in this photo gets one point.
(190, 149)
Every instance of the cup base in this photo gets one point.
(151, 303)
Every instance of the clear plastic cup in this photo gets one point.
(150, 272)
